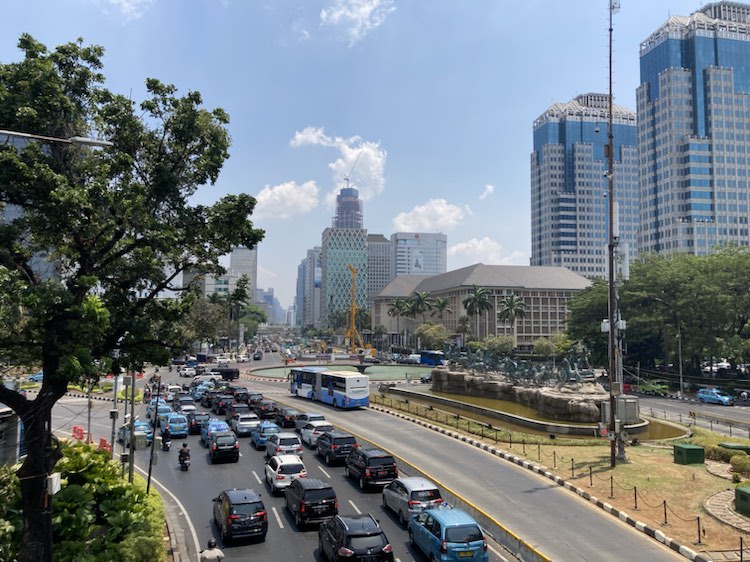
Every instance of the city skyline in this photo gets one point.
(427, 112)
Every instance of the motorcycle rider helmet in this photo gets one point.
(211, 543)
(184, 445)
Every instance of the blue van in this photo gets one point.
(260, 433)
(448, 534)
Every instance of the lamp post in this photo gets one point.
(77, 141)
(679, 353)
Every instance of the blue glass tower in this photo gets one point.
(569, 209)
(693, 131)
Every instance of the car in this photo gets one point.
(310, 500)
(220, 403)
(282, 469)
(266, 409)
(187, 372)
(370, 467)
(258, 355)
(214, 425)
(242, 358)
(448, 534)
(174, 425)
(286, 417)
(207, 398)
(354, 537)
(224, 446)
(312, 430)
(253, 398)
(335, 446)
(305, 417)
(715, 396)
(283, 443)
(240, 513)
(261, 432)
(243, 424)
(426, 379)
(241, 394)
(187, 409)
(36, 377)
(153, 404)
(161, 414)
(235, 409)
(195, 421)
(409, 495)
(140, 428)
(182, 400)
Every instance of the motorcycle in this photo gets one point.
(184, 463)
(166, 444)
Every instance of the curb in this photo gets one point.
(681, 549)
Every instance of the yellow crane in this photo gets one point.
(351, 332)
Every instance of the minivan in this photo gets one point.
(409, 495)
(715, 396)
(311, 500)
(448, 534)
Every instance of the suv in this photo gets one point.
(284, 443)
(354, 537)
(220, 403)
(266, 409)
(448, 534)
(335, 445)
(286, 417)
(371, 467)
(224, 445)
(260, 433)
(282, 469)
(240, 513)
(409, 495)
(310, 500)
(253, 398)
(715, 396)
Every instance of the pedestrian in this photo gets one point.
(743, 396)
(212, 554)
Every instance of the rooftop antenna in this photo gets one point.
(347, 176)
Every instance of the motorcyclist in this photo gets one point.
(212, 554)
(166, 441)
(184, 453)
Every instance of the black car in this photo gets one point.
(266, 409)
(371, 467)
(253, 398)
(195, 420)
(224, 446)
(236, 408)
(354, 537)
(335, 445)
(220, 403)
(258, 355)
(310, 500)
(240, 513)
(286, 417)
(207, 398)
(241, 395)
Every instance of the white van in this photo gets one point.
(222, 361)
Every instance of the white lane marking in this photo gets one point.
(324, 472)
(354, 506)
(278, 517)
(257, 477)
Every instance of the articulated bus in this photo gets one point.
(340, 389)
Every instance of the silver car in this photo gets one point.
(312, 430)
(243, 424)
(283, 443)
(306, 417)
(409, 495)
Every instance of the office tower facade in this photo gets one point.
(378, 265)
(418, 253)
(299, 294)
(244, 261)
(308, 293)
(569, 185)
(348, 209)
(693, 131)
(341, 248)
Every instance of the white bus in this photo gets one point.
(340, 389)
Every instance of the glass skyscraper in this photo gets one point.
(348, 209)
(694, 131)
(569, 185)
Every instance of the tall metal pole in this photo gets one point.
(679, 353)
(113, 411)
(611, 300)
(131, 457)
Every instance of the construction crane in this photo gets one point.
(351, 332)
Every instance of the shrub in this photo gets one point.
(741, 463)
(716, 453)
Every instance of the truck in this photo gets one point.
(226, 373)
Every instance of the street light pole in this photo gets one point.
(679, 353)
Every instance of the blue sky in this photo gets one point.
(437, 97)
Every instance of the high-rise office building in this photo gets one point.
(348, 209)
(341, 248)
(244, 261)
(378, 265)
(308, 289)
(569, 184)
(418, 253)
(694, 131)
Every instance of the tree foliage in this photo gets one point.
(431, 336)
(477, 303)
(100, 233)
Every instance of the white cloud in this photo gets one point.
(362, 161)
(131, 9)
(486, 251)
(286, 200)
(488, 190)
(437, 215)
(356, 17)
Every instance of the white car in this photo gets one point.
(187, 372)
(242, 358)
(187, 408)
(305, 417)
(243, 424)
(282, 469)
(312, 430)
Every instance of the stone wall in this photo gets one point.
(573, 402)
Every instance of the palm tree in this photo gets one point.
(463, 328)
(398, 308)
(511, 308)
(362, 319)
(421, 302)
(476, 303)
(440, 306)
(378, 332)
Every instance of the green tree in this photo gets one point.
(117, 227)
(431, 336)
(441, 306)
(477, 303)
(585, 313)
(463, 327)
(378, 333)
(362, 319)
(421, 303)
(252, 317)
(503, 345)
(512, 308)
(544, 347)
(398, 308)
